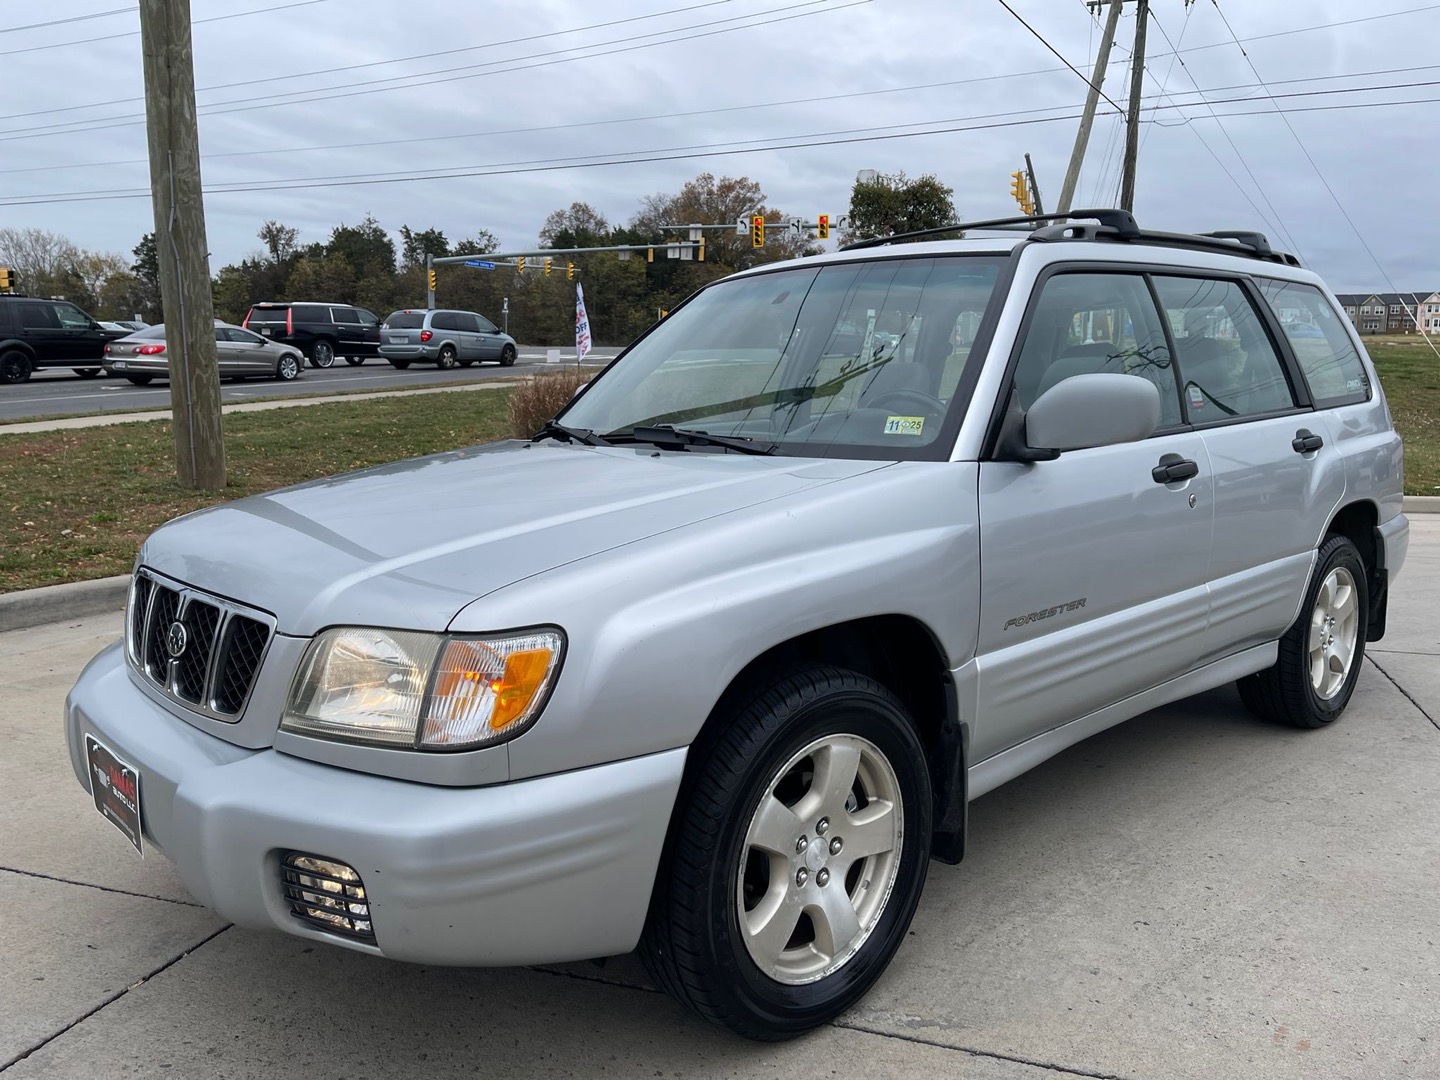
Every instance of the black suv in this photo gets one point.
(321, 331)
(37, 333)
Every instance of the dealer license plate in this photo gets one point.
(116, 788)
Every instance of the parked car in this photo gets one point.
(321, 331)
(129, 326)
(712, 664)
(143, 356)
(36, 333)
(446, 339)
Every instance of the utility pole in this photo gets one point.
(1087, 118)
(180, 243)
(1132, 126)
(1034, 187)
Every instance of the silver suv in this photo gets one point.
(712, 665)
(444, 338)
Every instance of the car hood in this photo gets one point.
(412, 543)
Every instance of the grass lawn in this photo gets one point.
(1410, 373)
(76, 504)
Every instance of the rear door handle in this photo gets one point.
(1306, 442)
(1173, 468)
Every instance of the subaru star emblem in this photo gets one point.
(176, 638)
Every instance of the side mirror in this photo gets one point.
(1093, 410)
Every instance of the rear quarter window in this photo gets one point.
(1320, 341)
(310, 313)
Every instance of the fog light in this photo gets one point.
(327, 894)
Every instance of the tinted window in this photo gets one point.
(1321, 342)
(466, 321)
(1086, 324)
(486, 326)
(38, 317)
(310, 313)
(244, 337)
(266, 316)
(405, 320)
(344, 315)
(71, 317)
(1228, 366)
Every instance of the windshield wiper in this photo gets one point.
(553, 429)
(670, 435)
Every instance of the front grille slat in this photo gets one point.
(219, 657)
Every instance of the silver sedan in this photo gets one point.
(143, 355)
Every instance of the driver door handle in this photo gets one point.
(1173, 468)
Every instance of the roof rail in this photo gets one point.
(1106, 224)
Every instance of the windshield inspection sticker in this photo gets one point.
(904, 425)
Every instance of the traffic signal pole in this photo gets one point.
(1087, 118)
(180, 242)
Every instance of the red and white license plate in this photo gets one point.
(115, 784)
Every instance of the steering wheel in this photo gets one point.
(928, 402)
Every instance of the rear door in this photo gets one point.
(39, 327)
(1093, 571)
(472, 344)
(348, 336)
(1272, 497)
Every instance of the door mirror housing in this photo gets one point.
(1093, 410)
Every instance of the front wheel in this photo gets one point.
(1320, 656)
(796, 857)
(507, 356)
(288, 368)
(322, 354)
(14, 367)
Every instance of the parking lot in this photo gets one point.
(1191, 894)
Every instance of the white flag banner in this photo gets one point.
(582, 324)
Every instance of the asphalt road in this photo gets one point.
(1189, 896)
(60, 392)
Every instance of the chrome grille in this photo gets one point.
(202, 651)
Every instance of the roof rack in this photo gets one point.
(1103, 224)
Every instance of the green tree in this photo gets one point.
(366, 248)
(579, 226)
(146, 269)
(885, 205)
(415, 244)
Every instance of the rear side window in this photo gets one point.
(38, 317)
(310, 313)
(465, 321)
(405, 320)
(1228, 366)
(1319, 339)
(344, 315)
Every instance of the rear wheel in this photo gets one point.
(14, 367)
(322, 354)
(507, 356)
(1320, 656)
(446, 360)
(796, 857)
(86, 372)
(288, 367)
(140, 380)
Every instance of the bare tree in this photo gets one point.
(41, 259)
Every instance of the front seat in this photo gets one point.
(1094, 357)
(895, 376)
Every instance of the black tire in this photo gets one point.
(14, 367)
(287, 368)
(400, 365)
(693, 944)
(87, 372)
(1286, 692)
(140, 380)
(507, 356)
(447, 359)
(354, 361)
(322, 353)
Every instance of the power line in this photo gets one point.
(71, 19)
(270, 101)
(1041, 39)
(136, 33)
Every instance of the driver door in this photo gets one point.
(1093, 571)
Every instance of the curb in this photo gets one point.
(57, 603)
(80, 599)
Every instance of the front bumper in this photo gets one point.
(537, 871)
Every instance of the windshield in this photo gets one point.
(851, 360)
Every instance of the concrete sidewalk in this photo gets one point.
(1188, 896)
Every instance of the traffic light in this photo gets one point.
(757, 231)
(700, 250)
(569, 271)
(822, 226)
(650, 254)
(430, 280)
(547, 265)
(520, 265)
(7, 279)
(1020, 190)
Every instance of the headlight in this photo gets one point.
(404, 688)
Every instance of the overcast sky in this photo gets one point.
(513, 88)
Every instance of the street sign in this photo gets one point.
(480, 264)
(797, 225)
(742, 226)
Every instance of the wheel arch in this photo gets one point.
(902, 654)
(1358, 521)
